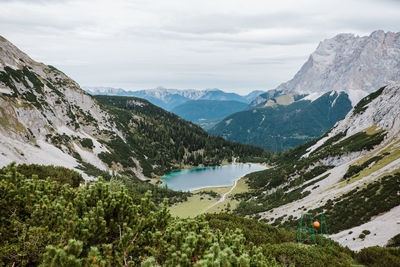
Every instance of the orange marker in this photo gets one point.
(316, 224)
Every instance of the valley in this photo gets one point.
(114, 180)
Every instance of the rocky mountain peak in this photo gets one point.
(11, 56)
(354, 64)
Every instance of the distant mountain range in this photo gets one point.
(275, 119)
(168, 99)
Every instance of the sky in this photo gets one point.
(234, 45)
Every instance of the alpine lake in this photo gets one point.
(196, 178)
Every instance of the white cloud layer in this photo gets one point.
(235, 45)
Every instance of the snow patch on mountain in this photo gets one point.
(313, 96)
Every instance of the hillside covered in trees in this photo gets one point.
(163, 142)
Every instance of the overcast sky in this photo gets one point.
(236, 46)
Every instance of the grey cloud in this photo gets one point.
(272, 61)
(235, 45)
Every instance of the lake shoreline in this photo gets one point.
(223, 184)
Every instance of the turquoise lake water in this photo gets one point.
(191, 179)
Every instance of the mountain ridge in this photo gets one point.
(281, 124)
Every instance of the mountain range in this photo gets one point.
(345, 63)
(168, 99)
(353, 64)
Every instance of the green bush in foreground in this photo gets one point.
(378, 256)
(50, 223)
(56, 173)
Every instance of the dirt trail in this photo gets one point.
(222, 199)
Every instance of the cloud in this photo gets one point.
(232, 44)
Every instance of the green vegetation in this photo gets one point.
(357, 142)
(378, 256)
(59, 140)
(92, 170)
(394, 241)
(356, 169)
(162, 142)
(87, 142)
(44, 221)
(256, 232)
(210, 193)
(55, 90)
(10, 77)
(362, 105)
(59, 174)
(33, 78)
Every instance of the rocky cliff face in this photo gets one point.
(356, 65)
(39, 107)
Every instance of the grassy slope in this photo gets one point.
(205, 203)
